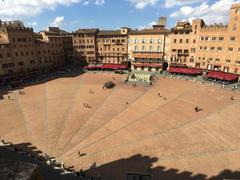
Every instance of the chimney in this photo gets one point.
(163, 21)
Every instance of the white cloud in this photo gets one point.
(141, 4)
(149, 25)
(96, 2)
(86, 3)
(217, 12)
(172, 3)
(24, 8)
(32, 24)
(58, 22)
(99, 2)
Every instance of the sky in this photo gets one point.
(71, 15)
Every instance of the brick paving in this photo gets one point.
(126, 121)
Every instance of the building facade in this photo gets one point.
(22, 50)
(17, 53)
(183, 44)
(149, 48)
(112, 46)
(85, 46)
(94, 46)
(210, 47)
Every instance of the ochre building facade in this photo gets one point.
(210, 47)
(22, 50)
(148, 48)
(94, 46)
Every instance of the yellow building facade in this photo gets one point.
(147, 48)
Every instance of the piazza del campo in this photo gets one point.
(156, 103)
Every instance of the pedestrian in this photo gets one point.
(232, 98)
(158, 94)
(9, 98)
(196, 109)
(79, 153)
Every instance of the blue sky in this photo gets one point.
(111, 14)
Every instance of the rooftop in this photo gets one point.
(90, 31)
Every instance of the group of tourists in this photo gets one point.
(43, 158)
(86, 105)
(164, 98)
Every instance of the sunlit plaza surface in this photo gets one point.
(109, 132)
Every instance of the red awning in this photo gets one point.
(93, 67)
(147, 65)
(184, 70)
(114, 66)
(123, 66)
(111, 66)
(222, 76)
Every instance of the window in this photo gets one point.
(200, 47)
(136, 41)
(192, 59)
(221, 38)
(217, 59)
(151, 48)
(230, 49)
(4, 66)
(11, 64)
(175, 41)
(143, 48)
(151, 41)
(135, 48)
(180, 41)
(238, 49)
(205, 48)
(20, 63)
(206, 38)
(237, 62)
(194, 41)
(228, 60)
(159, 48)
(212, 48)
(193, 50)
(232, 38)
(234, 27)
(143, 41)
(159, 41)
(210, 59)
(202, 38)
(236, 70)
(214, 38)
(187, 40)
(219, 48)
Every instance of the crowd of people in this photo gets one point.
(44, 158)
